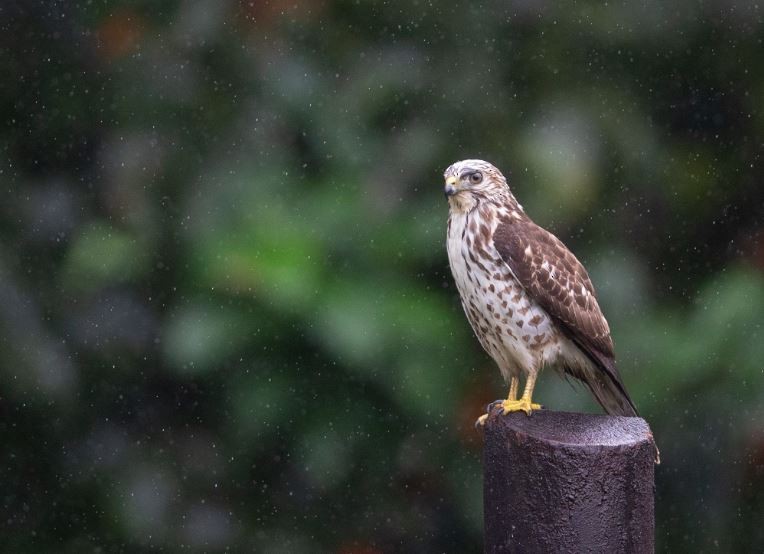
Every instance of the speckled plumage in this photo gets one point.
(528, 299)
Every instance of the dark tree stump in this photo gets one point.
(563, 482)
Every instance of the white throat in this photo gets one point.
(461, 203)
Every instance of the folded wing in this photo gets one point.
(557, 281)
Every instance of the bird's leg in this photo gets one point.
(525, 404)
(514, 384)
(526, 400)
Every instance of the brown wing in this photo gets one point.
(559, 283)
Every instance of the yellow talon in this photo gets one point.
(522, 405)
(512, 404)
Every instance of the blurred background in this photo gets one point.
(227, 319)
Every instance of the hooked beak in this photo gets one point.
(450, 188)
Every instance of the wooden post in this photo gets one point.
(563, 482)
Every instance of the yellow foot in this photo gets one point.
(522, 405)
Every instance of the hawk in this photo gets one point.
(528, 298)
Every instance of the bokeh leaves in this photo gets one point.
(228, 317)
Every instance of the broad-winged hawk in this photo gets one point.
(528, 299)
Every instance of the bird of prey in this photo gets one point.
(528, 299)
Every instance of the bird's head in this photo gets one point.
(470, 182)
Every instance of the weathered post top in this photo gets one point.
(566, 482)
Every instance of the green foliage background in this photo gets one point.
(227, 315)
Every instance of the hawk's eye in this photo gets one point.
(476, 178)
